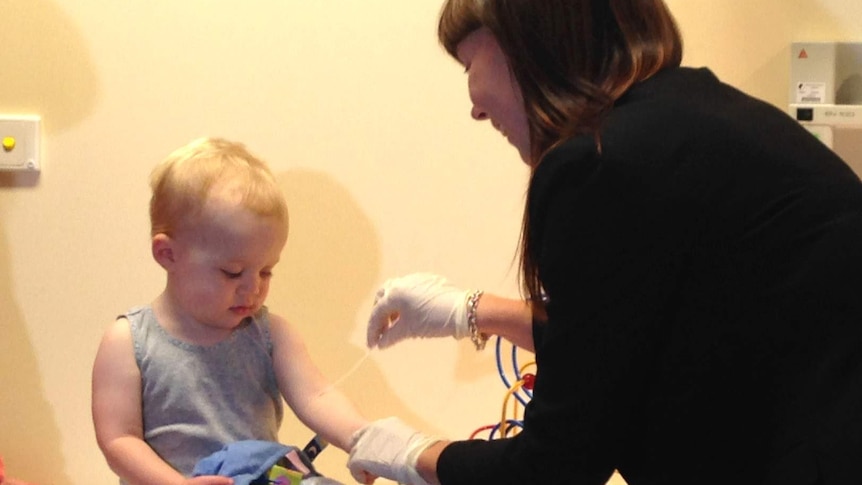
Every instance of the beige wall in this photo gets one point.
(365, 121)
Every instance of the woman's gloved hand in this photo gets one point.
(388, 448)
(419, 305)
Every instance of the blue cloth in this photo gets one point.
(244, 461)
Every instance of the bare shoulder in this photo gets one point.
(116, 350)
(283, 332)
(117, 333)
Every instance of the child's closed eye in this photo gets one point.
(232, 275)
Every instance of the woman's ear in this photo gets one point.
(163, 250)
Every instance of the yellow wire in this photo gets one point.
(504, 427)
(509, 393)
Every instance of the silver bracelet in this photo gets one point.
(478, 338)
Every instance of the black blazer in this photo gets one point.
(704, 270)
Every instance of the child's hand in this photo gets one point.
(209, 480)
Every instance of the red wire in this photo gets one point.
(479, 430)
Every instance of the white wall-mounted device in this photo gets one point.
(20, 142)
(826, 94)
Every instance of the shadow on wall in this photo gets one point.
(46, 71)
(328, 270)
(330, 263)
(29, 435)
(52, 77)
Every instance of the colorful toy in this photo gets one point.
(521, 390)
(278, 475)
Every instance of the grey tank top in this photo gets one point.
(195, 398)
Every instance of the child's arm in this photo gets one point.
(117, 415)
(324, 409)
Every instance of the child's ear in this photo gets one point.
(163, 250)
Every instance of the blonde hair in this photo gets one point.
(182, 183)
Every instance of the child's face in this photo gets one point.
(223, 267)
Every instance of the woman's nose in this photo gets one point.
(478, 114)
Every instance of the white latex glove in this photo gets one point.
(388, 448)
(417, 305)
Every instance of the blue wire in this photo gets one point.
(500, 363)
(510, 422)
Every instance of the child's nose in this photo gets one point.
(251, 285)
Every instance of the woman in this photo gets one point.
(690, 255)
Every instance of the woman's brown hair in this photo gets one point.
(572, 60)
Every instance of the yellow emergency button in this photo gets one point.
(8, 143)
